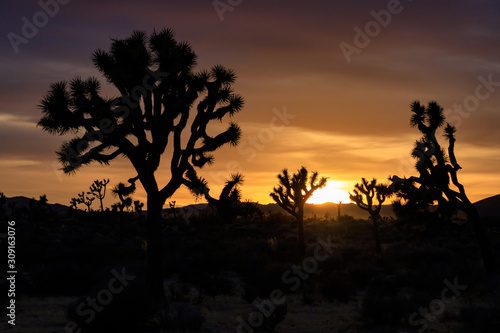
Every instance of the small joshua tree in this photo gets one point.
(86, 200)
(363, 195)
(138, 206)
(228, 206)
(292, 193)
(172, 207)
(438, 179)
(73, 203)
(98, 190)
(123, 192)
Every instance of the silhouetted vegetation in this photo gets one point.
(293, 192)
(157, 88)
(229, 249)
(438, 170)
(84, 199)
(98, 189)
(246, 260)
(229, 204)
(364, 195)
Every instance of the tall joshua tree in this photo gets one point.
(162, 103)
(293, 192)
(98, 189)
(363, 195)
(438, 174)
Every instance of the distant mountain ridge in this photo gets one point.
(489, 206)
(486, 207)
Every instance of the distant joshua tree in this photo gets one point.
(292, 193)
(229, 205)
(363, 195)
(73, 203)
(98, 189)
(86, 200)
(123, 193)
(438, 170)
(162, 105)
(3, 200)
(138, 206)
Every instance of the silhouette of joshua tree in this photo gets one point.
(228, 206)
(138, 206)
(172, 207)
(73, 203)
(123, 193)
(363, 195)
(158, 90)
(436, 170)
(292, 194)
(98, 189)
(37, 211)
(86, 200)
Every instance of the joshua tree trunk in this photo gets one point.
(300, 226)
(378, 246)
(293, 194)
(154, 247)
(482, 237)
(120, 219)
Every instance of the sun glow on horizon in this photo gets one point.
(330, 193)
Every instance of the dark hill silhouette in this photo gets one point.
(23, 202)
(329, 207)
(489, 206)
(486, 207)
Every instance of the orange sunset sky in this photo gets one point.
(317, 92)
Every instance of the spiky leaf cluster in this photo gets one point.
(365, 193)
(436, 166)
(294, 191)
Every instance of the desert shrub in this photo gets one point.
(286, 249)
(336, 286)
(261, 283)
(272, 319)
(361, 274)
(481, 318)
(381, 309)
(59, 279)
(126, 311)
(182, 317)
(212, 284)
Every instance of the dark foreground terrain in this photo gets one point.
(74, 273)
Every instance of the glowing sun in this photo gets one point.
(329, 193)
